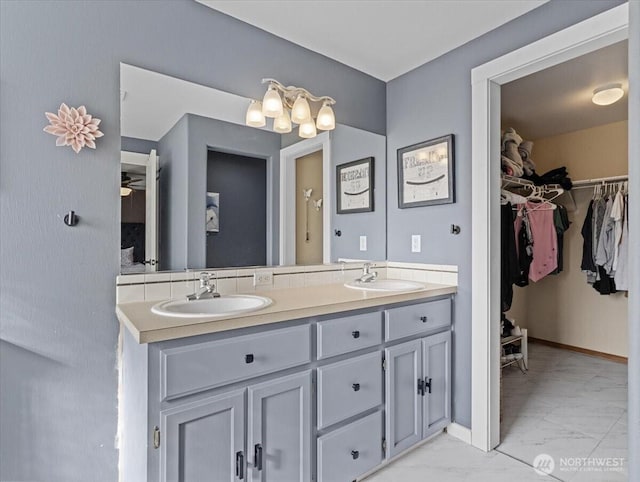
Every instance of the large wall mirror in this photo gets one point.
(200, 189)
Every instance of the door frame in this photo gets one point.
(594, 33)
(288, 156)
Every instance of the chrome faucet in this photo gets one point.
(207, 289)
(368, 276)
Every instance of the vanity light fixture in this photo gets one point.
(607, 94)
(255, 117)
(287, 105)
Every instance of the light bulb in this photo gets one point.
(326, 119)
(607, 94)
(272, 103)
(282, 123)
(307, 129)
(125, 191)
(300, 111)
(255, 118)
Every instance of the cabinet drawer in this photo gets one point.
(349, 452)
(351, 333)
(417, 319)
(349, 387)
(202, 366)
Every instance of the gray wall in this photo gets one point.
(133, 144)
(434, 100)
(241, 182)
(205, 134)
(172, 199)
(57, 284)
(350, 144)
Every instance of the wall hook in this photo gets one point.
(71, 219)
(455, 229)
(337, 232)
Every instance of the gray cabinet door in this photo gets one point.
(403, 401)
(279, 429)
(436, 370)
(204, 441)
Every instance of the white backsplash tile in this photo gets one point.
(157, 291)
(227, 286)
(180, 289)
(434, 277)
(129, 293)
(245, 285)
(450, 278)
(282, 281)
(128, 279)
(183, 276)
(155, 277)
(296, 280)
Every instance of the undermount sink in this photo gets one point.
(385, 285)
(225, 305)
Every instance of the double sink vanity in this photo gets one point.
(325, 382)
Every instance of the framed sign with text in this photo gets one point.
(354, 186)
(425, 173)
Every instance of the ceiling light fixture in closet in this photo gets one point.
(607, 94)
(287, 105)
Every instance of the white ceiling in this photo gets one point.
(558, 99)
(154, 102)
(383, 38)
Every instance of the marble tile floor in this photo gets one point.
(567, 405)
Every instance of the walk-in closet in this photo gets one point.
(564, 263)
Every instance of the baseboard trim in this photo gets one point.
(584, 351)
(460, 432)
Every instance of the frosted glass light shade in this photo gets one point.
(255, 118)
(125, 191)
(272, 103)
(326, 119)
(282, 123)
(307, 129)
(300, 112)
(607, 94)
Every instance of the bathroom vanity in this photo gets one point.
(327, 384)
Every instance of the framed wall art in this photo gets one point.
(426, 173)
(213, 212)
(354, 186)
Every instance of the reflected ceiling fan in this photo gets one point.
(128, 184)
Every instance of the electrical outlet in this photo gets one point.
(363, 243)
(416, 241)
(263, 278)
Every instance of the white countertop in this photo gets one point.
(288, 304)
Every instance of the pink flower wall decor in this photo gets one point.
(74, 127)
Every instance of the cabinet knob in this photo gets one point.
(356, 387)
(355, 454)
(423, 319)
(248, 358)
(355, 334)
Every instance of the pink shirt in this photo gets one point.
(545, 241)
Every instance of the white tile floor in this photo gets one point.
(567, 405)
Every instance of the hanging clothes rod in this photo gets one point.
(602, 180)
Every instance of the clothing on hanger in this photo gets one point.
(545, 242)
(509, 265)
(621, 276)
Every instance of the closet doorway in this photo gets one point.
(592, 34)
(564, 259)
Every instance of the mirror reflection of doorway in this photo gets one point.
(309, 200)
(239, 183)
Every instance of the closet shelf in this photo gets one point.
(511, 181)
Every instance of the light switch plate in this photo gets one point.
(416, 241)
(263, 278)
(363, 243)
